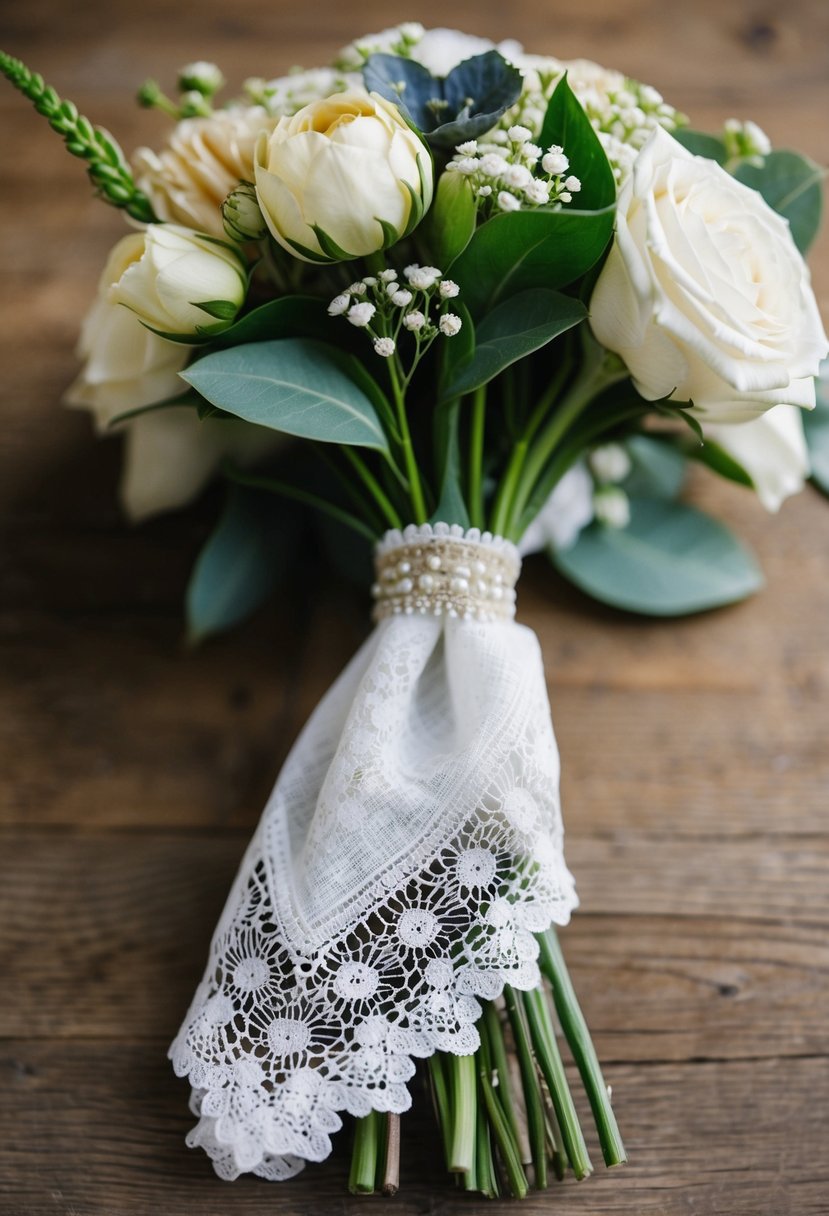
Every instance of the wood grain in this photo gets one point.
(696, 769)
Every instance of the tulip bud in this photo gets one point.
(178, 282)
(243, 220)
(342, 178)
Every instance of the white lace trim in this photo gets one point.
(411, 847)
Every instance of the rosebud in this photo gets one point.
(178, 282)
(243, 220)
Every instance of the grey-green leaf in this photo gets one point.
(515, 328)
(816, 426)
(793, 186)
(670, 560)
(657, 468)
(293, 385)
(241, 564)
(700, 143)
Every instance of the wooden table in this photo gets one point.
(695, 756)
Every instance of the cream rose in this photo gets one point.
(772, 450)
(169, 454)
(188, 181)
(329, 175)
(704, 294)
(178, 282)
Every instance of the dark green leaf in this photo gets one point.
(658, 469)
(241, 564)
(222, 310)
(793, 186)
(451, 509)
(523, 249)
(567, 125)
(292, 385)
(515, 328)
(670, 560)
(719, 461)
(287, 317)
(701, 144)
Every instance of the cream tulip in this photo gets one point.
(343, 178)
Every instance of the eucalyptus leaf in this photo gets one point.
(670, 560)
(793, 186)
(515, 328)
(657, 468)
(447, 110)
(294, 385)
(700, 143)
(241, 564)
(567, 125)
(519, 250)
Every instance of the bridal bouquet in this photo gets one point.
(458, 303)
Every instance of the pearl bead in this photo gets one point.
(459, 584)
(403, 567)
(479, 567)
(426, 582)
(463, 571)
(433, 562)
(405, 586)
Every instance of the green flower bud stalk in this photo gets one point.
(106, 164)
(194, 105)
(243, 220)
(200, 77)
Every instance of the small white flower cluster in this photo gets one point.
(509, 171)
(287, 94)
(399, 40)
(623, 112)
(384, 305)
(745, 141)
(610, 464)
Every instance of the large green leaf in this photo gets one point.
(287, 317)
(241, 564)
(670, 560)
(293, 385)
(657, 468)
(451, 508)
(793, 186)
(515, 328)
(700, 143)
(519, 250)
(567, 125)
(816, 427)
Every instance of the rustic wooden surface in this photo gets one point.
(695, 757)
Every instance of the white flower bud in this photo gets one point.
(384, 347)
(200, 77)
(392, 287)
(555, 162)
(530, 153)
(508, 202)
(572, 184)
(469, 148)
(519, 134)
(361, 314)
(388, 276)
(243, 221)
(492, 165)
(467, 165)
(565, 197)
(516, 176)
(423, 277)
(402, 298)
(414, 321)
(537, 192)
(339, 305)
(358, 288)
(611, 507)
(449, 289)
(450, 324)
(484, 191)
(610, 462)
(370, 280)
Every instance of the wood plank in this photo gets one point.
(106, 936)
(99, 1129)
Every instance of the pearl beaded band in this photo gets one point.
(443, 570)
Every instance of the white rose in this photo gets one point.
(173, 278)
(169, 454)
(772, 450)
(188, 181)
(704, 293)
(338, 167)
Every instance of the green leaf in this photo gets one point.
(793, 186)
(515, 328)
(287, 317)
(450, 223)
(657, 468)
(719, 461)
(567, 125)
(670, 560)
(222, 310)
(816, 427)
(700, 143)
(519, 250)
(293, 385)
(242, 563)
(451, 508)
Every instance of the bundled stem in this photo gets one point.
(106, 164)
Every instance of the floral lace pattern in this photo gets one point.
(410, 848)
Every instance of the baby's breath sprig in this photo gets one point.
(106, 165)
(510, 172)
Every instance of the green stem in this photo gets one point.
(552, 1068)
(106, 164)
(497, 1047)
(373, 486)
(275, 486)
(476, 458)
(440, 1096)
(415, 487)
(581, 1044)
(462, 1144)
(505, 1135)
(364, 1156)
(531, 1087)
